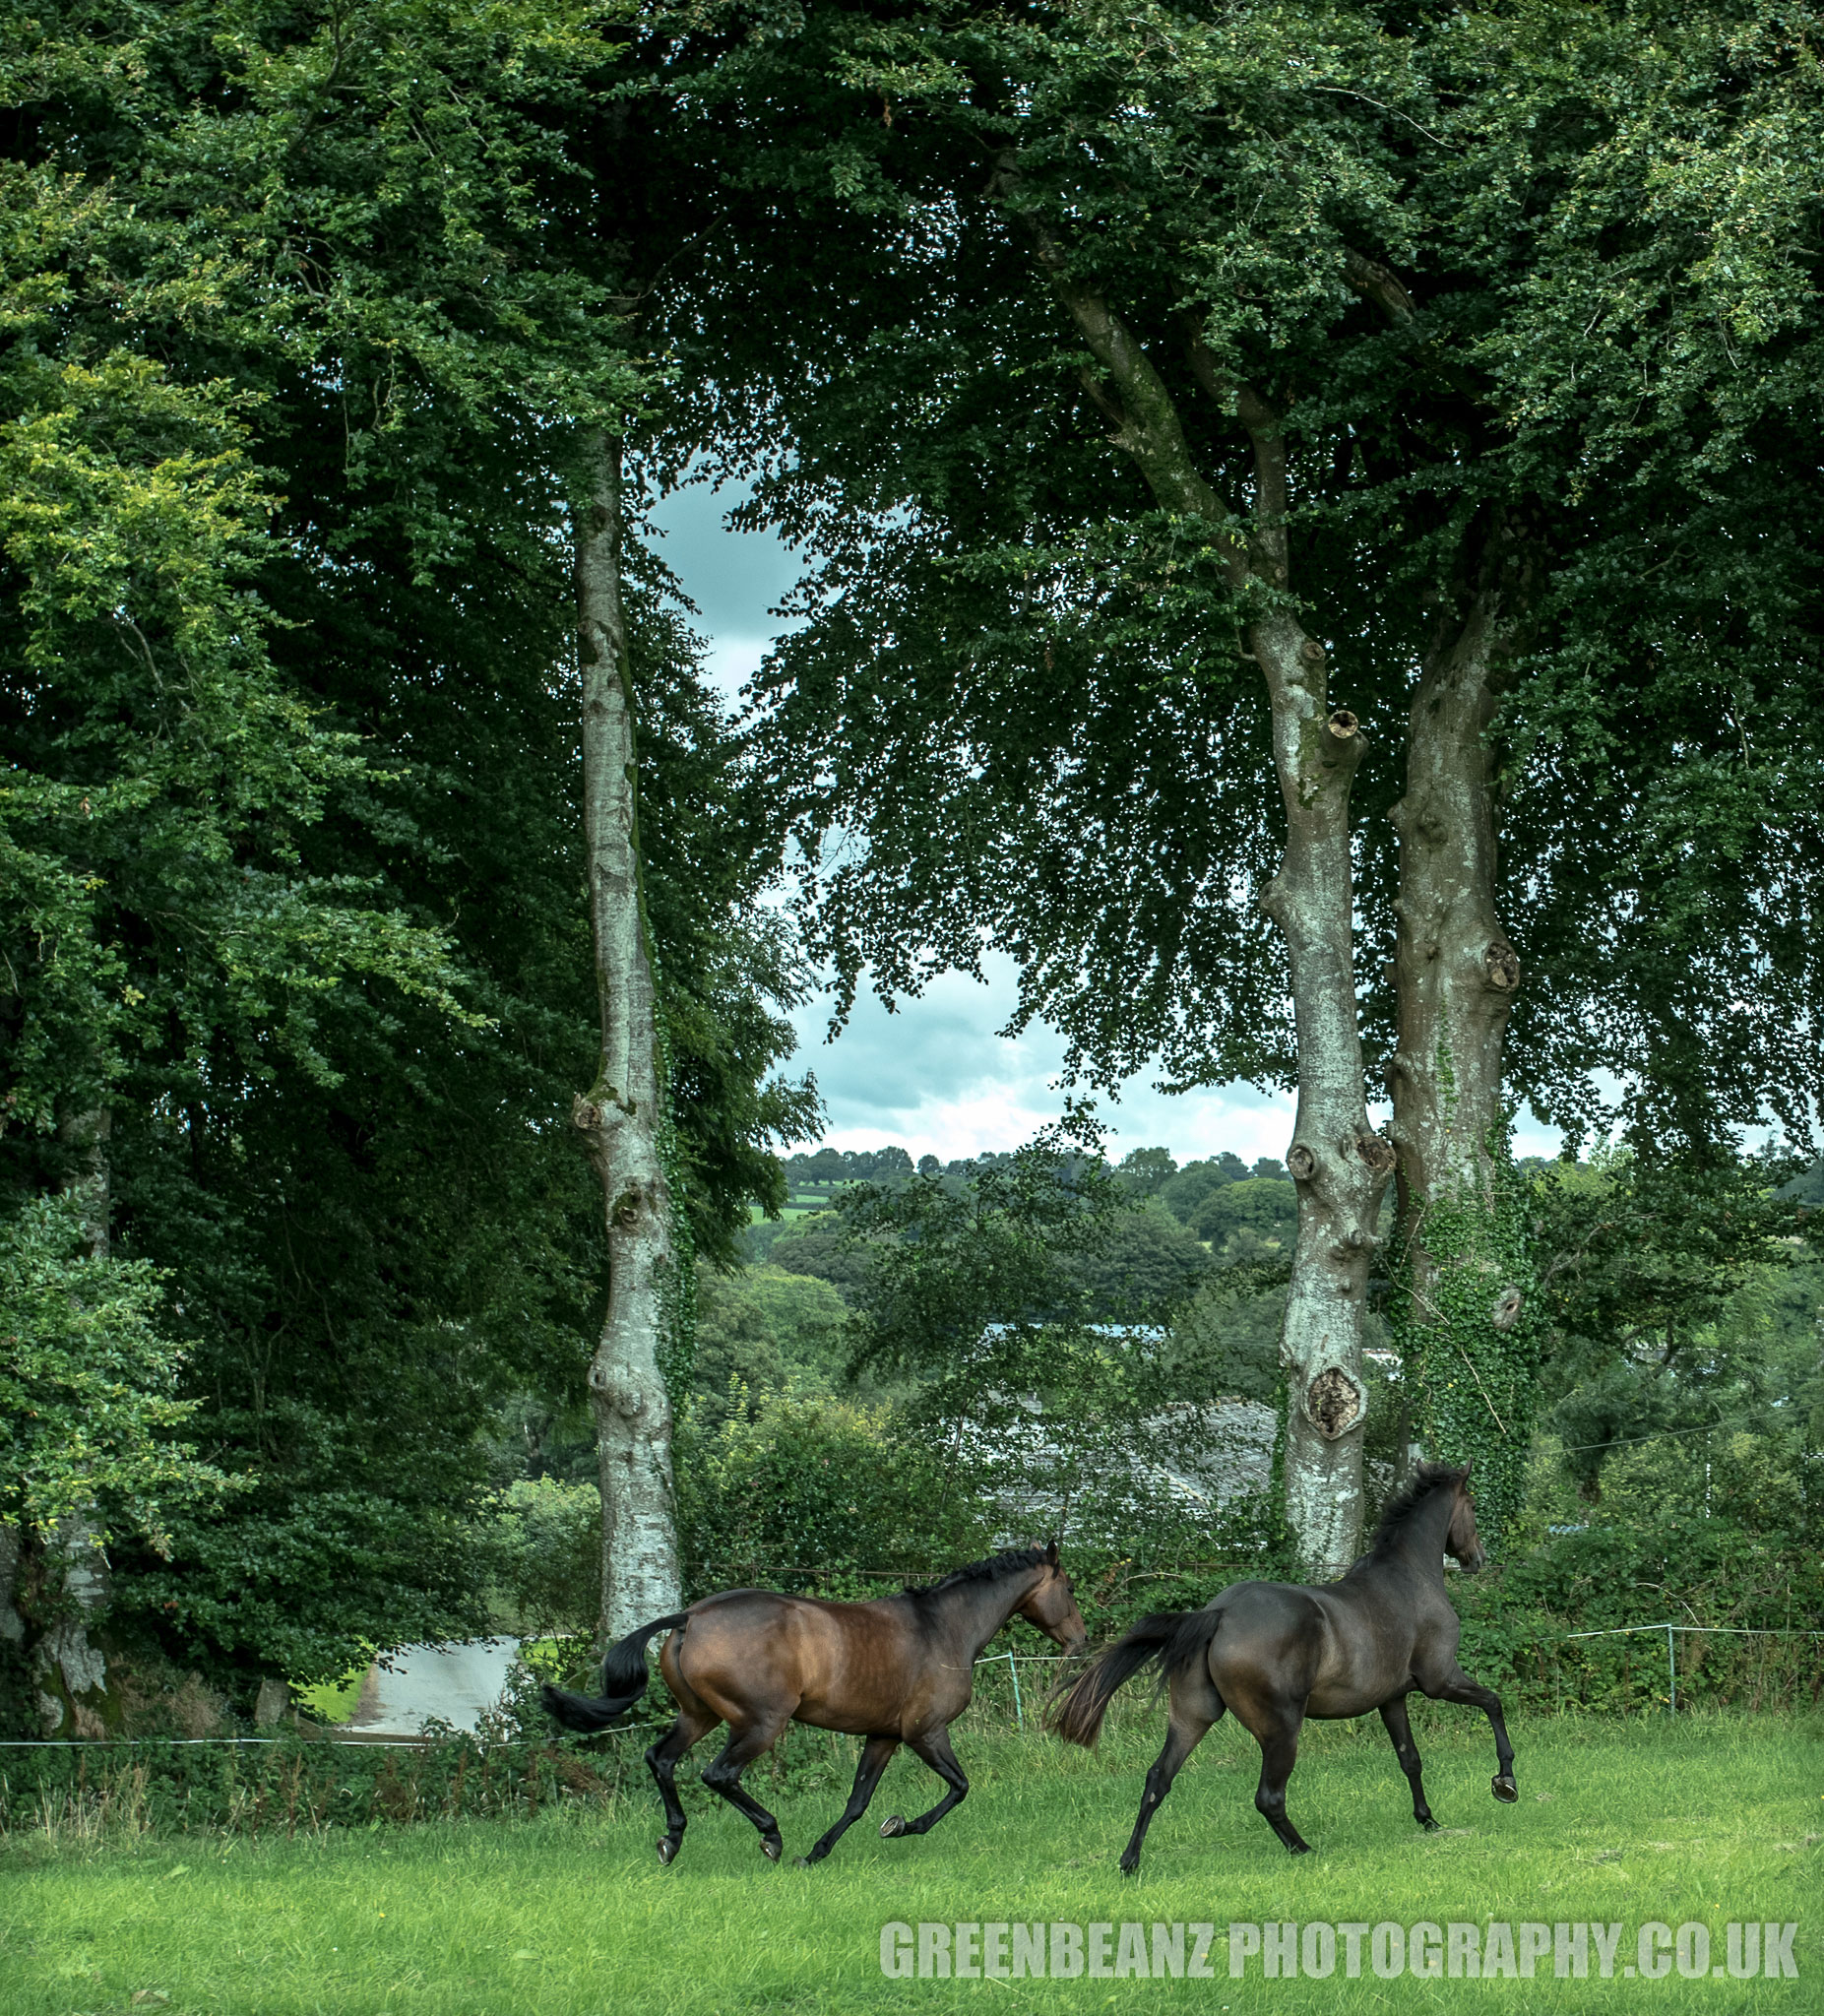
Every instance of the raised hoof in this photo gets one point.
(772, 1850)
(667, 1851)
(1430, 1824)
(1505, 1789)
(892, 1826)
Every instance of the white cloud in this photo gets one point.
(936, 1078)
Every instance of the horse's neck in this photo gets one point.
(977, 1610)
(1420, 1543)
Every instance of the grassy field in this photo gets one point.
(1705, 1821)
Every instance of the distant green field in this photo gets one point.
(1699, 1821)
(336, 1700)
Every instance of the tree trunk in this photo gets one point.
(1460, 1249)
(1339, 1164)
(69, 1665)
(620, 1117)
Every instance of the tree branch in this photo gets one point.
(1374, 283)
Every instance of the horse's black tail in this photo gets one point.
(623, 1681)
(1174, 1638)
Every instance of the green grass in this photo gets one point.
(1702, 1819)
(335, 1701)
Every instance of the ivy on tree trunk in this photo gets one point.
(1463, 1313)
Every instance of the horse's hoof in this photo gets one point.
(1430, 1824)
(1505, 1789)
(772, 1850)
(1299, 1847)
(668, 1849)
(894, 1826)
(802, 1862)
(1130, 1864)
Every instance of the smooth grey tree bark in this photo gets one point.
(1339, 1164)
(620, 1116)
(1455, 972)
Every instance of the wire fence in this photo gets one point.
(1675, 1631)
(992, 1662)
(313, 1779)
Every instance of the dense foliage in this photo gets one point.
(304, 310)
(293, 914)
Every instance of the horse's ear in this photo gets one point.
(1052, 1553)
(1462, 1476)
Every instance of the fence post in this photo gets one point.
(1671, 1668)
(1017, 1711)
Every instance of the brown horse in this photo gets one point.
(898, 1671)
(1276, 1653)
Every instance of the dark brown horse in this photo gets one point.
(1275, 1654)
(898, 1671)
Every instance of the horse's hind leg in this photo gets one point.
(876, 1755)
(1192, 1716)
(1275, 1726)
(1393, 1714)
(724, 1777)
(935, 1751)
(663, 1760)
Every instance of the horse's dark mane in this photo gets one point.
(1400, 1508)
(1008, 1562)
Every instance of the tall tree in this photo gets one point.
(1435, 508)
(341, 963)
(625, 1114)
(1101, 180)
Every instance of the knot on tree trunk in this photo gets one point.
(1507, 1306)
(1311, 651)
(1501, 967)
(1342, 723)
(631, 1203)
(1301, 1162)
(1335, 1400)
(617, 1392)
(1376, 1152)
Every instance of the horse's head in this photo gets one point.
(1461, 1542)
(1050, 1606)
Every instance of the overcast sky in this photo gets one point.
(934, 1077)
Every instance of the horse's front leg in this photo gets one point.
(935, 1751)
(1455, 1686)
(876, 1755)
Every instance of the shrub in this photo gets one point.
(545, 1541)
(818, 1494)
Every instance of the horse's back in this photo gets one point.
(756, 1654)
(1335, 1647)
